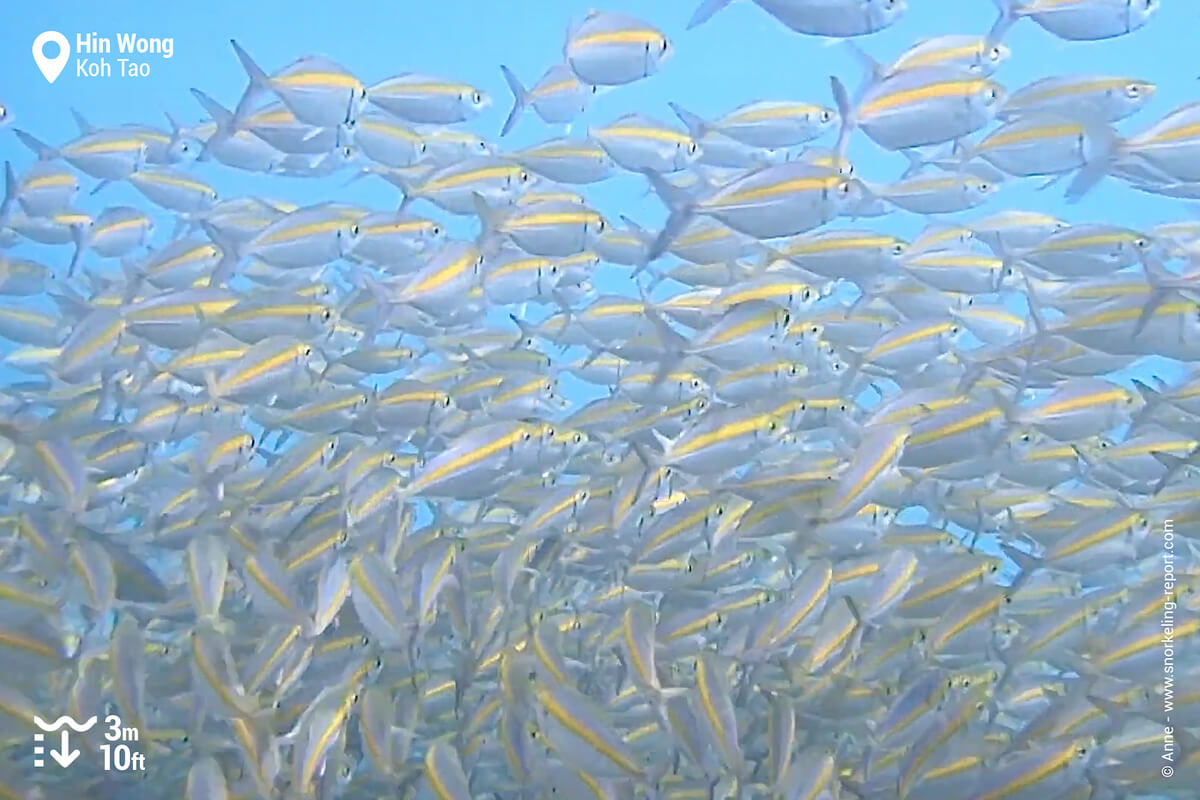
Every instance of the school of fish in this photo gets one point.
(313, 497)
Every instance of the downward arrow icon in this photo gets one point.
(65, 756)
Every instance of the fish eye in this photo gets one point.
(476, 98)
(577, 438)
(985, 187)
(692, 146)
(995, 54)
(365, 640)
(326, 315)
(664, 44)
(354, 230)
(954, 329)
(1133, 91)
(826, 115)
(844, 188)
(446, 401)
(1141, 243)
(523, 177)
(695, 383)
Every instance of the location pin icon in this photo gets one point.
(51, 67)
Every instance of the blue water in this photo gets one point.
(741, 55)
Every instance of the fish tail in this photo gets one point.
(231, 255)
(81, 122)
(44, 151)
(520, 99)
(916, 162)
(257, 77)
(853, 371)
(10, 192)
(489, 221)
(1040, 332)
(681, 208)
(1101, 147)
(210, 385)
(1152, 399)
(219, 113)
(406, 186)
(643, 260)
(80, 237)
(695, 123)
(1026, 562)
(1174, 464)
(1009, 12)
(259, 81)
(705, 11)
(651, 461)
(872, 67)
(527, 332)
(845, 115)
(1162, 283)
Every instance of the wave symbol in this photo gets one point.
(61, 721)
